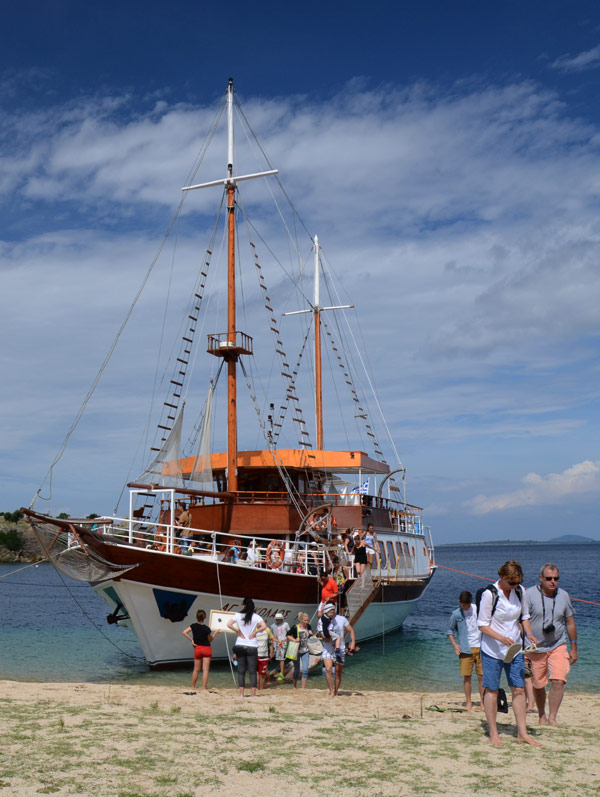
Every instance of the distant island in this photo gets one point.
(569, 539)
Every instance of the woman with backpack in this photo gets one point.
(502, 612)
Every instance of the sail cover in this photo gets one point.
(202, 474)
(165, 469)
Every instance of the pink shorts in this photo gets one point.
(553, 665)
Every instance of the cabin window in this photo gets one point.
(391, 554)
(381, 553)
(273, 484)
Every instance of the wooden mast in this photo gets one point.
(316, 311)
(232, 480)
(232, 343)
(318, 378)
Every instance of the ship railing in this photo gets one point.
(407, 523)
(303, 558)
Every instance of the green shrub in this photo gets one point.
(12, 517)
(11, 539)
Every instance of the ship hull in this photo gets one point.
(157, 593)
(159, 612)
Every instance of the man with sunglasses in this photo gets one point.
(551, 621)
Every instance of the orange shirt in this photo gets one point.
(330, 590)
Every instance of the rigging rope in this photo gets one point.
(285, 477)
(49, 474)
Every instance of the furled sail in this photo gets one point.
(202, 474)
(165, 469)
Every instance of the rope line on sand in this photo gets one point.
(486, 578)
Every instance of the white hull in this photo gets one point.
(162, 640)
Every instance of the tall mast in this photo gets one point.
(232, 343)
(318, 381)
(316, 311)
(232, 480)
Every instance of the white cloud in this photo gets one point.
(589, 59)
(463, 225)
(582, 478)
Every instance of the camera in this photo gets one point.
(549, 629)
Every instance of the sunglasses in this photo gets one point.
(550, 578)
(513, 583)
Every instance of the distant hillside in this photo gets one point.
(18, 542)
(565, 538)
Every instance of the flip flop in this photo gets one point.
(502, 701)
(512, 651)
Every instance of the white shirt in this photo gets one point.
(472, 628)
(246, 629)
(340, 624)
(505, 619)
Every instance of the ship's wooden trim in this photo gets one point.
(301, 459)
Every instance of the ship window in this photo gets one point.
(405, 548)
(391, 554)
(381, 553)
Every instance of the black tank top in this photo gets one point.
(200, 634)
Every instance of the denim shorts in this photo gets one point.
(492, 670)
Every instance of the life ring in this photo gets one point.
(273, 561)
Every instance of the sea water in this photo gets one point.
(55, 629)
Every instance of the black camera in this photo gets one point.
(549, 629)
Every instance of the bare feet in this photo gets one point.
(543, 720)
(469, 706)
(527, 739)
(495, 741)
(552, 721)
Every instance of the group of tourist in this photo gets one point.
(357, 548)
(522, 632)
(257, 644)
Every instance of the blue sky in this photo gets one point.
(447, 154)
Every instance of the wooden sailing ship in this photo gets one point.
(206, 530)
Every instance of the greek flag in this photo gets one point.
(362, 489)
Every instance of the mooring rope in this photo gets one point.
(32, 564)
(229, 659)
(486, 578)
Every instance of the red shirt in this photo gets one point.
(329, 590)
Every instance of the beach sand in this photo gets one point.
(62, 738)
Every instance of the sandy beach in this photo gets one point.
(62, 738)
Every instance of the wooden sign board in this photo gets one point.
(218, 620)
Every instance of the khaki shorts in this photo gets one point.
(467, 660)
(553, 665)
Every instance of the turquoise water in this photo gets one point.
(55, 630)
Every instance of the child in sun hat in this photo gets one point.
(280, 631)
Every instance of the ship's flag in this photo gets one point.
(362, 489)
